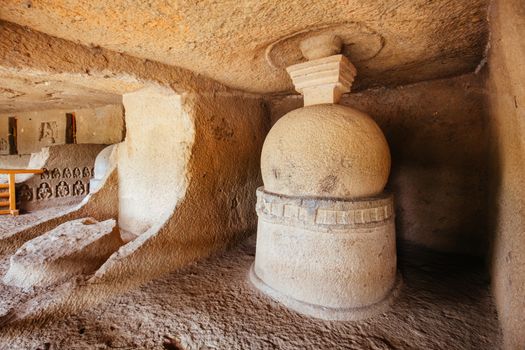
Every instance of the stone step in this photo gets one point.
(73, 248)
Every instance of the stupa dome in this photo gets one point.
(325, 150)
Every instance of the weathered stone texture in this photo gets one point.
(325, 150)
(506, 74)
(335, 259)
(74, 248)
(402, 41)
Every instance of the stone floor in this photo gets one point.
(9, 223)
(445, 304)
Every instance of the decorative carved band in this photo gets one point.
(335, 213)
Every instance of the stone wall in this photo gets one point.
(4, 136)
(37, 129)
(192, 192)
(101, 125)
(15, 161)
(152, 160)
(437, 137)
(506, 75)
(40, 129)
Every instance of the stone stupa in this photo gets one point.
(326, 243)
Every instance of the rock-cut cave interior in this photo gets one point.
(262, 174)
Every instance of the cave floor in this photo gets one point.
(9, 223)
(445, 303)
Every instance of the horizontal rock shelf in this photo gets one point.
(73, 248)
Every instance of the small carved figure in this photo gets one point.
(76, 173)
(4, 145)
(67, 173)
(86, 172)
(78, 188)
(55, 174)
(62, 189)
(48, 131)
(44, 191)
(45, 174)
(25, 193)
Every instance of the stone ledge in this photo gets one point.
(324, 212)
(71, 249)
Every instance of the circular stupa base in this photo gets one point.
(328, 313)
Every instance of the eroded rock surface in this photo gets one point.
(397, 41)
(445, 304)
(73, 248)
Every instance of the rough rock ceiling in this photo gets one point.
(245, 44)
(25, 93)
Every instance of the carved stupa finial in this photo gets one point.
(327, 75)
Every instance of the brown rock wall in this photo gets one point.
(506, 74)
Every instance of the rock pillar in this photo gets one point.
(326, 237)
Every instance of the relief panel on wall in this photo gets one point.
(55, 174)
(67, 173)
(76, 173)
(78, 188)
(48, 132)
(65, 178)
(62, 189)
(4, 145)
(25, 193)
(44, 191)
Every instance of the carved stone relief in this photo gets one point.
(64, 180)
(48, 132)
(4, 145)
(78, 188)
(44, 191)
(76, 173)
(55, 174)
(45, 174)
(62, 189)
(25, 193)
(67, 173)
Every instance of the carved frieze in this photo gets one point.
(323, 212)
(64, 180)
(57, 179)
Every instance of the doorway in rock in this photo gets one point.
(12, 135)
(71, 128)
